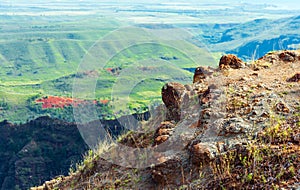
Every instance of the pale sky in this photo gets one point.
(284, 4)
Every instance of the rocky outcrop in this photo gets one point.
(163, 132)
(226, 130)
(230, 61)
(289, 56)
(295, 78)
(172, 94)
(202, 73)
(202, 153)
(220, 130)
(281, 56)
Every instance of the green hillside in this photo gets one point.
(40, 56)
(43, 56)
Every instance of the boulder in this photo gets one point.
(281, 56)
(210, 94)
(172, 94)
(230, 61)
(165, 174)
(202, 73)
(287, 56)
(282, 107)
(295, 78)
(202, 152)
(163, 132)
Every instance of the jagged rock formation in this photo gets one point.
(172, 97)
(202, 73)
(37, 151)
(163, 132)
(230, 61)
(283, 56)
(234, 129)
(295, 78)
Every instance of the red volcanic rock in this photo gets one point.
(201, 153)
(295, 78)
(282, 56)
(281, 107)
(287, 56)
(172, 97)
(114, 71)
(55, 102)
(209, 94)
(164, 172)
(201, 73)
(160, 139)
(163, 132)
(230, 61)
(109, 69)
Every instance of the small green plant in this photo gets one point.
(90, 156)
(249, 177)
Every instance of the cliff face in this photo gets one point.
(37, 151)
(236, 126)
(43, 148)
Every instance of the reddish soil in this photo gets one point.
(62, 102)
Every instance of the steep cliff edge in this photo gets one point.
(43, 148)
(237, 126)
(36, 151)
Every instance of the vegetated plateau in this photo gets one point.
(42, 46)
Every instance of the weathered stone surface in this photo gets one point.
(282, 107)
(230, 61)
(295, 78)
(233, 126)
(210, 123)
(202, 153)
(163, 132)
(202, 73)
(281, 56)
(172, 94)
(287, 56)
(165, 174)
(211, 94)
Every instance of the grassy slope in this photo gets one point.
(39, 55)
(40, 58)
(40, 51)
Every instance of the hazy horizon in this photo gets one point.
(290, 4)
